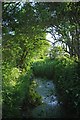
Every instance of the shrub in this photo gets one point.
(15, 90)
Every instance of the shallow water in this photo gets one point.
(51, 107)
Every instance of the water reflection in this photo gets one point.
(50, 107)
(51, 100)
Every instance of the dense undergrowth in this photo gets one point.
(26, 31)
(64, 71)
(18, 86)
(15, 91)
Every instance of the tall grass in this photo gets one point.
(44, 69)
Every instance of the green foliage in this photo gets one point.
(35, 99)
(64, 72)
(44, 68)
(57, 51)
(24, 27)
(68, 83)
(23, 41)
(15, 90)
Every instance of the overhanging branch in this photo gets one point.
(49, 41)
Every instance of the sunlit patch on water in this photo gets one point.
(53, 103)
(51, 100)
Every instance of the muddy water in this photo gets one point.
(51, 107)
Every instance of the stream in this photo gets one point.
(51, 107)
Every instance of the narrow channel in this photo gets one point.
(51, 107)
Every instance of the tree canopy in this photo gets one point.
(28, 53)
(26, 24)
